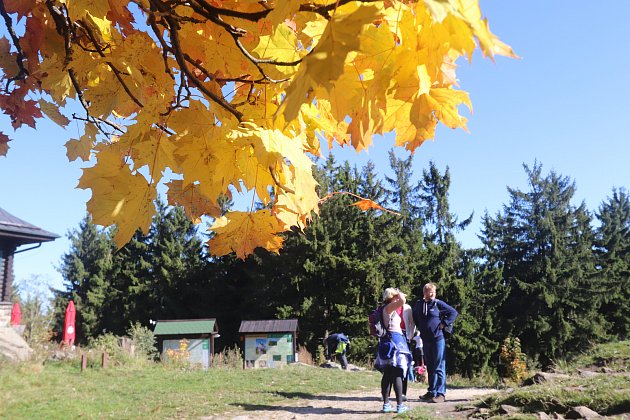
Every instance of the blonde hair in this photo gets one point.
(390, 293)
(430, 286)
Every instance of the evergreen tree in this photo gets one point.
(177, 263)
(85, 269)
(542, 243)
(445, 266)
(613, 261)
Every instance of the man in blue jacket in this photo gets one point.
(431, 315)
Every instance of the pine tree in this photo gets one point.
(542, 243)
(85, 269)
(613, 261)
(445, 266)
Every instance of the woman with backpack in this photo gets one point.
(393, 356)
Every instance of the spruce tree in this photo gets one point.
(613, 261)
(542, 243)
(85, 269)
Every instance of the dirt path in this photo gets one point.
(356, 405)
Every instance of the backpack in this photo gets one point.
(377, 327)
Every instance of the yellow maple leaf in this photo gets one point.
(325, 63)
(242, 233)
(119, 197)
(283, 9)
(82, 148)
(192, 200)
(281, 46)
(445, 102)
(52, 112)
(151, 147)
(8, 61)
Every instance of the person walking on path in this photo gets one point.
(431, 315)
(393, 356)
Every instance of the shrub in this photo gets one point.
(512, 359)
(144, 341)
(107, 343)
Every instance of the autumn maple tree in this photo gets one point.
(210, 97)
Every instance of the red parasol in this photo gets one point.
(69, 325)
(16, 314)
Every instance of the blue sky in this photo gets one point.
(565, 103)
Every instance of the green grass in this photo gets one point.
(615, 356)
(607, 393)
(60, 390)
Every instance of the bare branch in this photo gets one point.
(97, 121)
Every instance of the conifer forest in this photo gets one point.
(549, 271)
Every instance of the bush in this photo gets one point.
(106, 343)
(144, 341)
(512, 360)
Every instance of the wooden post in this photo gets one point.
(83, 362)
(104, 360)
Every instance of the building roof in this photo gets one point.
(186, 326)
(269, 325)
(21, 232)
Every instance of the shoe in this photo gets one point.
(402, 408)
(427, 396)
(438, 399)
(388, 408)
(404, 398)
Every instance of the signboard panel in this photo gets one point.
(197, 350)
(268, 350)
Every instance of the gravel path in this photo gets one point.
(355, 405)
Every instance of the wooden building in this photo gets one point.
(269, 343)
(187, 339)
(14, 233)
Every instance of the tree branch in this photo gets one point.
(117, 72)
(16, 43)
(173, 26)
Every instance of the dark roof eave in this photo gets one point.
(25, 238)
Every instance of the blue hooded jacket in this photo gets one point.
(428, 315)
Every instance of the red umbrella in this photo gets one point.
(69, 325)
(16, 314)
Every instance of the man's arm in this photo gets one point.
(410, 325)
(448, 314)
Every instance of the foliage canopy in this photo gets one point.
(231, 95)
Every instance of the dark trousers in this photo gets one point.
(343, 360)
(392, 377)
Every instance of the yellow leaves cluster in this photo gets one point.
(234, 96)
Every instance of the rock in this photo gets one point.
(508, 409)
(330, 365)
(587, 373)
(543, 416)
(582, 412)
(541, 377)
